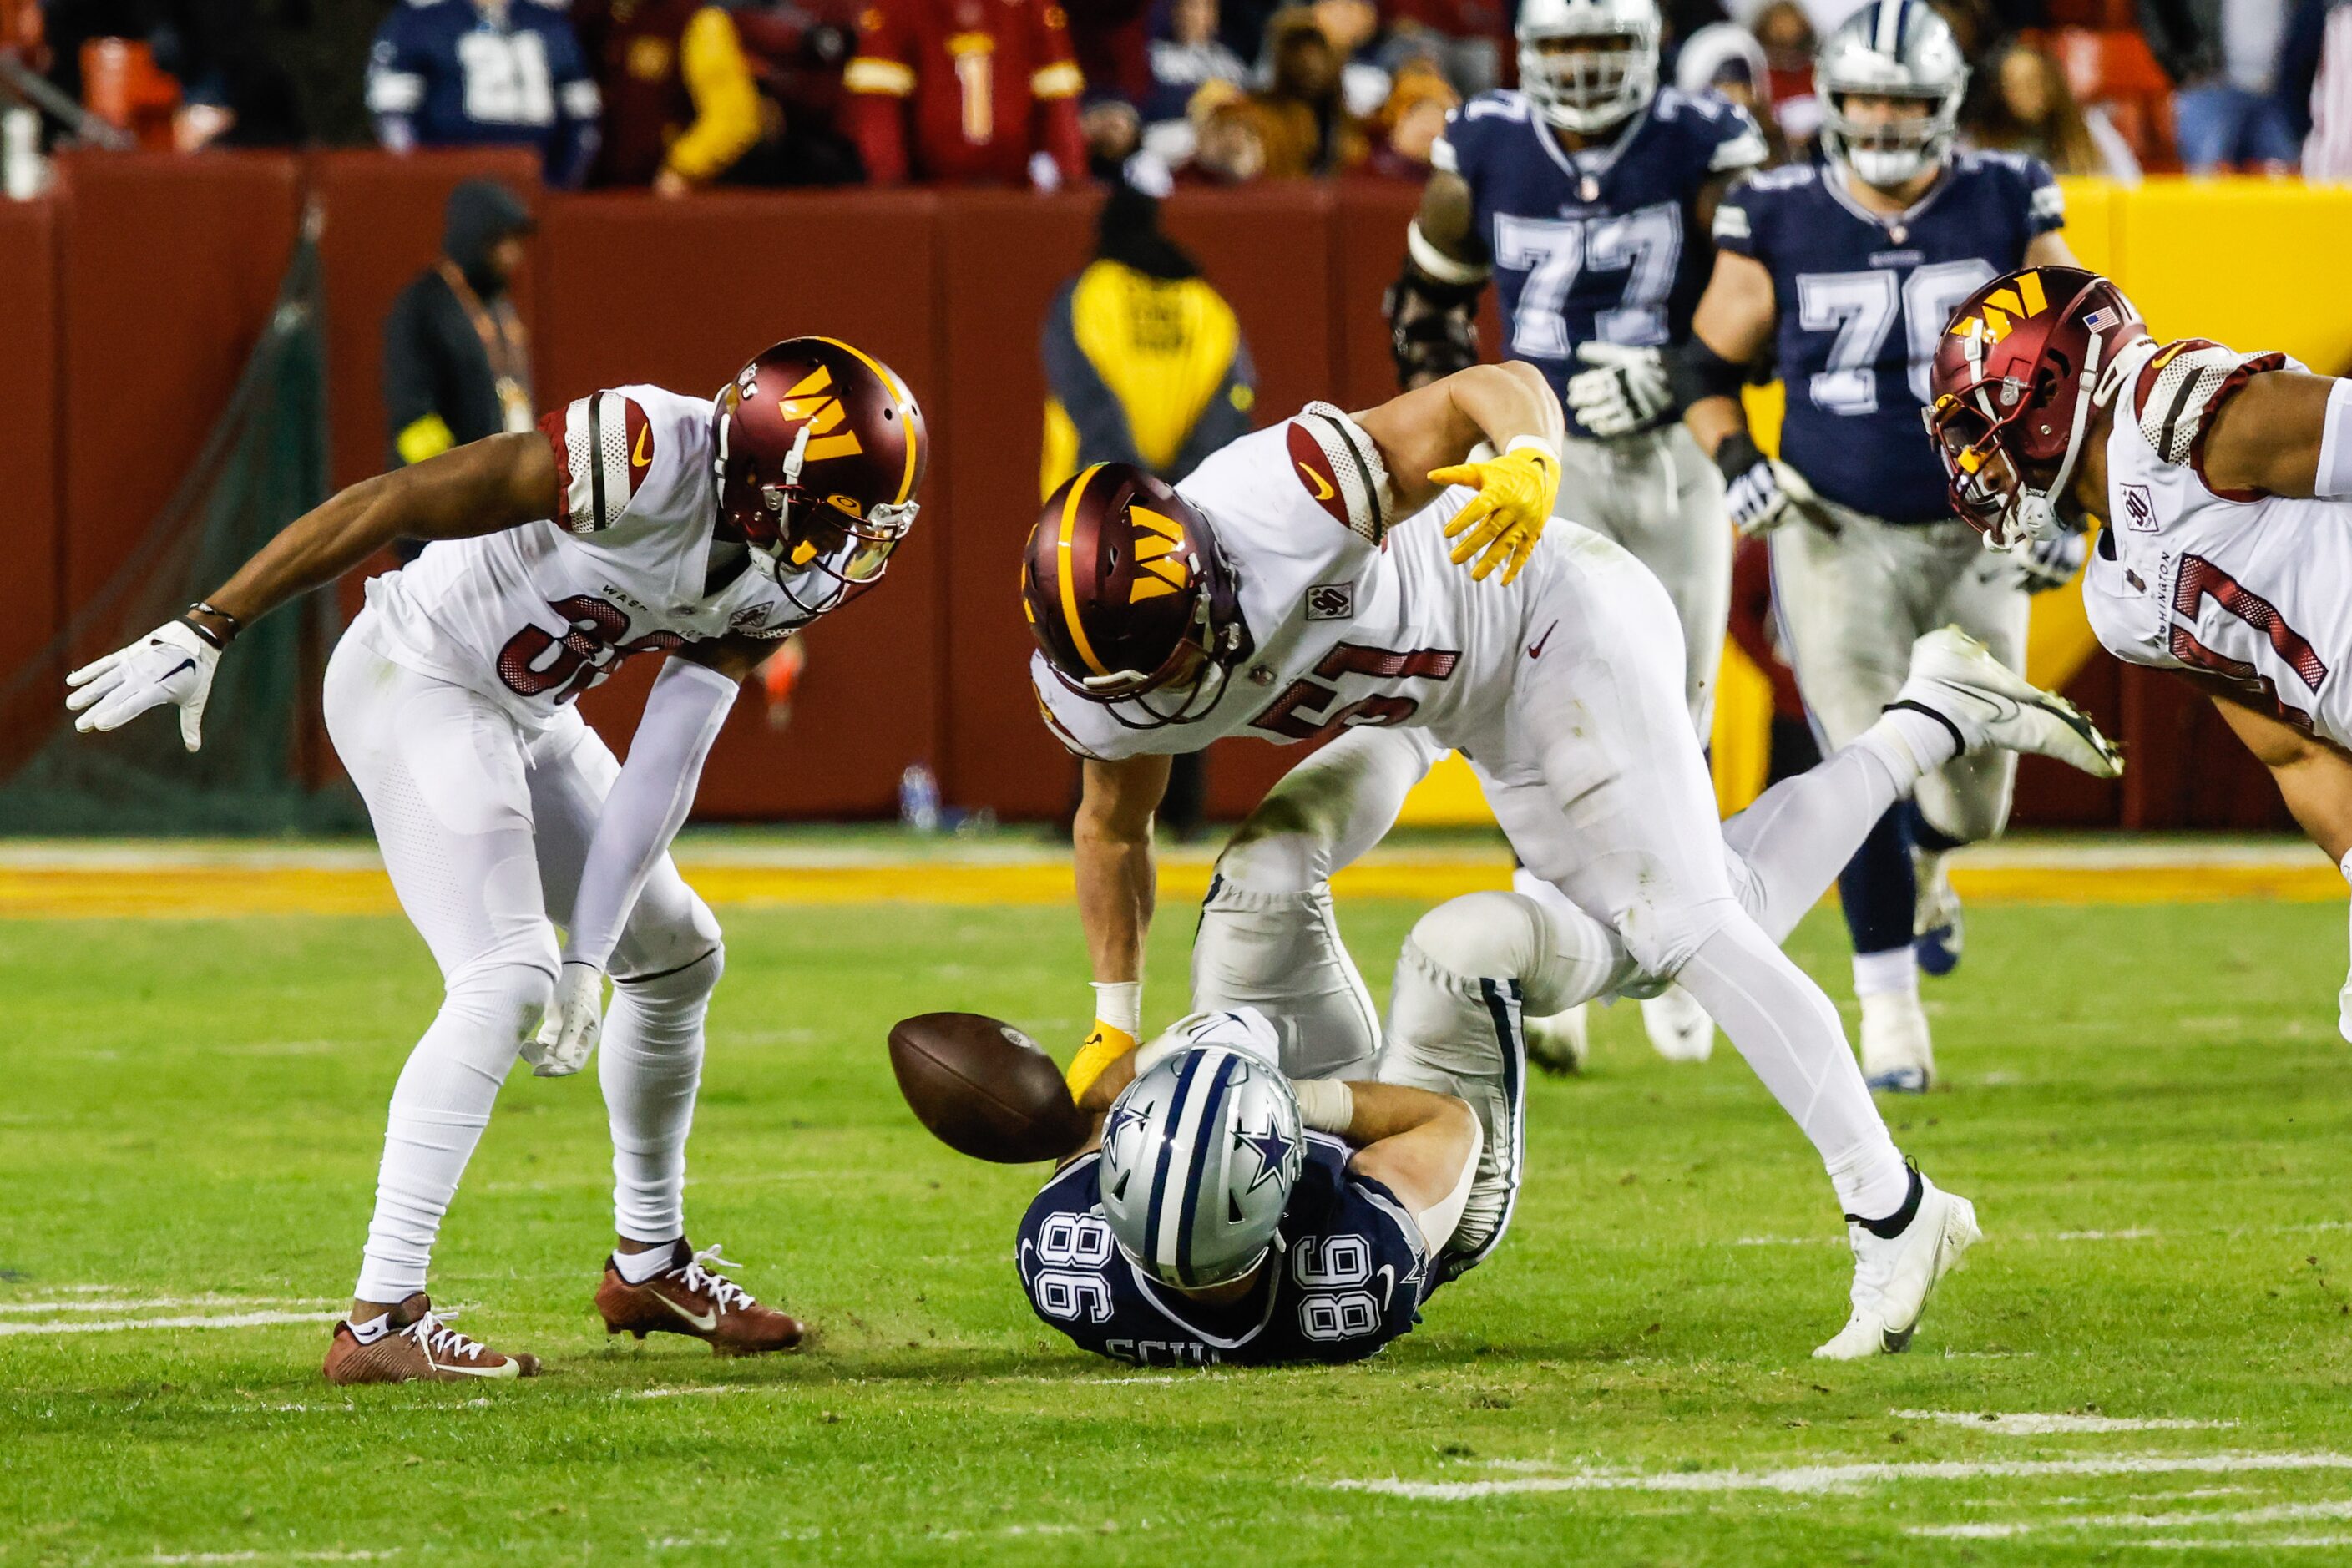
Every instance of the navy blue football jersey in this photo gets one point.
(1602, 243)
(1862, 300)
(445, 74)
(1350, 1276)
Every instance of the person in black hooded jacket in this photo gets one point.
(456, 365)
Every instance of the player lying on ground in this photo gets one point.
(1843, 272)
(2225, 482)
(1298, 583)
(636, 521)
(1209, 1147)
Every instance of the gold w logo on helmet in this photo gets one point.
(1158, 570)
(812, 401)
(2002, 308)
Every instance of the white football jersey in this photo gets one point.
(2255, 589)
(1352, 622)
(534, 615)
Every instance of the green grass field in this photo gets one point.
(2149, 1106)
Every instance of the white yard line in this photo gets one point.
(193, 1557)
(96, 1304)
(2276, 1513)
(2243, 1543)
(2027, 1423)
(1810, 1479)
(119, 1325)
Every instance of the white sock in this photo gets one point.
(1789, 846)
(1922, 742)
(649, 1066)
(637, 1268)
(1788, 1034)
(1876, 974)
(374, 1329)
(439, 1107)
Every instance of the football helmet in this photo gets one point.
(2018, 371)
(1587, 90)
(820, 450)
(1890, 49)
(1131, 599)
(1199, 1157)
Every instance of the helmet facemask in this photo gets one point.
(1588, 79)
(800, 538)
(1977, 428)
(1188, 684)
(1889, 154)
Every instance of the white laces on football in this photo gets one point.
(442, 1342)
(721, 1290)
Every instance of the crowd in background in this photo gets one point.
(680, 95)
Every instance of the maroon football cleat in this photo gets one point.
(688, 1298)
(419, 1347)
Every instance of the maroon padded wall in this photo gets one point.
(636, 289)
(167, 271)
(30, 471)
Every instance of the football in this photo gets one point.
(984, 1088)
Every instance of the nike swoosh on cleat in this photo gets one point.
(507, 1370)
(706, 1321)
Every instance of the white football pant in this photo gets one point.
(484, 824)
(1662, 498)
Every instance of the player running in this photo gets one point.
(2225, 483)
(1298, 583)
(1848, 268)
(1587, 195)
(637, 520)
(1390, 1190)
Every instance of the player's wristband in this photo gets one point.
(1544, 443)
(1325, 1104)
(1738, 453)
(1120, 1004)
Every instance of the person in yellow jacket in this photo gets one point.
(680, 103)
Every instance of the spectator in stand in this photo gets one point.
(1111, 41)
(1113, 132)
(2315, 87)
(456, 365)
(1144, 365)
(1227, 149)
(1789, 41)
(1726, 59)
(967, 92)
(2223, 54)
(1464, 37)
(1353, 28)
(1412, 118)
(1185, 53)
(2032, 111)
(796, 57)
(486, 73)
(680, 104)
(1303, 119)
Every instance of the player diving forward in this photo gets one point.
(1273, 1181)
(637, 520)
(1587, 195)
(1848, 267)
(2224, 481)
(1297, 583)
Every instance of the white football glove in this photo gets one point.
(172, 664)
(1626, 389)
(574, 1022)
(2046, 564)
(1765, 493)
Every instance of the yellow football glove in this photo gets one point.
(1104, 1046)
(1507, 515)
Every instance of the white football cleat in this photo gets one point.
(1955, 679)
(1893, 1275)
(1898, 1054)
(1678, 1028)
(1560, 1044)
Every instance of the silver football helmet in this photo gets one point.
(1592, 89)
(1893, 49)
(1200, 1155)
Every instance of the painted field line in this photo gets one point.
(120, 1325)
(96, 1304)
(2029, 1424)
(2244, 1544)
(2277, 1513)
(275, 1556)
(1817, 1479)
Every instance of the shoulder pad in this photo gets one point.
(2180, 388)
(603, 451)
(1502, 103)
(1787, 177)
(1340, 469)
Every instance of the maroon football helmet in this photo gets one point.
(1128, 595)
(2019, 369)
(820, 452)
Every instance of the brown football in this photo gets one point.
(984, 1088)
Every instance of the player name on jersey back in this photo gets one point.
(1349, 1276)
(2253, 590)
(534, 615)
(1346, 631)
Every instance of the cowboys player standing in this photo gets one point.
(1849, 269)
(1587, 195)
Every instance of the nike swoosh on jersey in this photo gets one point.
(1535, 649)
(706, 1321)
(638, 458)
(1317, 483)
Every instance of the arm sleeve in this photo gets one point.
(879, 79)
(1054, 88)
(2045, 201)
(578, 131)
(1735, 223)
(1740, 143)
(410, 396)
(1100, 419)
(648, 803)
(396, 83)
(726, 101)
